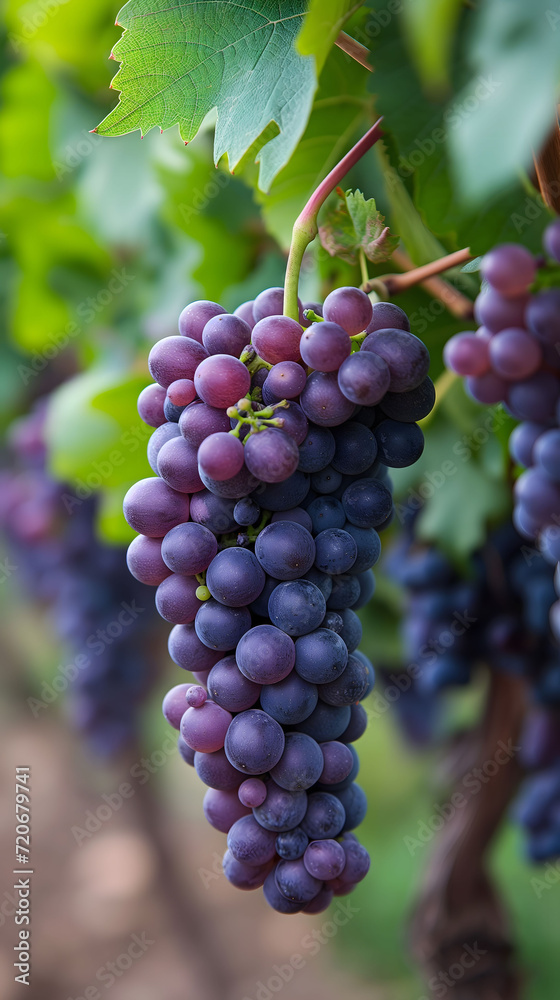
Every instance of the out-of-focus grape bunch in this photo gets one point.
(104, 618)
(495, 613)
(271, 449)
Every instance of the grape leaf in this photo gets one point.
(322, 24)
(354, 225)
(430, 26)
(181, 61)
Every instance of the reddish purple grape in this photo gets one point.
(543, 316)
(182, 392)
(150, 405)
(387, 316)
(222, 808)
(323, 402)
(509, 269)
(175, 358)
(176, 599)
(270, 302)
(406, 356)
(196, 696)
(189, 548)
(178, 465)
(286, 380)
(522, 442)
(204, 729)
(467, 354)
(229, 688)
(324, 346)
(514, 354)
(488, 388)
(277, 338)
(364, 378)
(535, 398)
(245, 312)
(195, 316)
(145, 562)
(175, 704)
(199, 420)
(551, 239)
(252, 792)
(271, 455)
(294, 421)
(226, 334)
(350, 308)
(221, 380)
(221, 456)
(496, 313)
(324, 859)
(188, 652)
(160, 436)
(152, 508)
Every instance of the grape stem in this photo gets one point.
(305, 227)
(354, 49)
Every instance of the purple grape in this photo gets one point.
(152, 508)
(229, 688)
(281, 810)
(324, 859)
(350, 308)
(196, 696)
(509, 269)
(277, 338)
(316, 450)
(215, 770)
(364, 378)
(175, 705)
(296, 607)
(325, 816)
(265, 654)
(547, 453)
(488, 389)
(285, 550)
(514, 354)
(276, 899)
(321, 656)
(270, 302)
(226, 334)
(214, 513)
(522, 441)
(538, 494)
(387, 316)
(175, 357)
(367, 503)
(406, 356)
(196, 315)
(220, 627)
(150, 405)
(252, 792)
(495, 313)
(286, 380)
(350, 687)
(182, 392)
(356, 727)
(284, 496)
(551, 240)
(245, 877)
(176, 599)
(320, 902)
(354, 803)
(189, 548)
(157, 440)
(295, 882)
(271, 455)
(235, 577)
(221, 456)
(204, 729)
(199, 420)
(357, 861)
(247, 512)
(323, 402)
(301, 763)
(467, 354)
(543, 316)
(186, 753)
(254, 742)
(221, 380)
(237, 486)
(324, 346)
(294, 421)
(144, 560)
(337, 762)
(178, 465)
(188, 652)
(222, 808)
(534, 398)
(297, 514)
(410, 406)
(291, 844)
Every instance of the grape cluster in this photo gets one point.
(498, 615)
(271, 447)
(514, 358)
(104, 617)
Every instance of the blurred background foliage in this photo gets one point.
(104, 240)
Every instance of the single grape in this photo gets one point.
(368, 544)
(551, 240)
(245, 877)
(157, 440)
(326, 481)
(296, 607)
(254, 742)
(364, 378)
(250, 843)
(387, 316)
(178, 466)
(547, 453)
(400, 445)
(291, 844)
(276, 899)
(221, 380)
(323, 402)
(522, 441)
(324, 859)
(215, 770)
(326, 512)
(199, 420)
(176, 599)
(286, 379)
(144, 560)
(220, 627)
(271, 455)
(277, 338)
(214, 513)
(467, 354)
(247, 512)
(495, 313)
(195, 316)
(285, 550)
(338, 762)
(235, 577)
(189, 548)
(283, 496)
(355, 448)
(152, 508)
(509, 269)
(514, 354)
(221, 456)
(289, 701)
(354, 802)
(223, 808)
(294, 421)
(297, 514)
(351, 686)
(320, 656)
(175, 705)
(150, 405)
(188, 652)
(367, 503)
(543, 316)
(252, 792)
(182, 392)
(228, 687)
(325, 816)
(535, 398)
(175, 358)
(316, 450)
(265, 654)
(406, 356)
(324, 346)
(226, 334)
(281, 810)
(349, 307)
(245, 312)
(488, 388)
(205, 728)
(336, 551)
(295, 882)
(300, 766)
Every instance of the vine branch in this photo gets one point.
(354, 49)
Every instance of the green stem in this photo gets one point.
(305, 227)
(363, 266)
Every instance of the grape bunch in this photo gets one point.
(271, 447)
(498, 616)
(105, 618)
(514, 358)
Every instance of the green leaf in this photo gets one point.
(181, 61)
(354, 225)
(509, 105)
(322, 25)
(430, 26)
